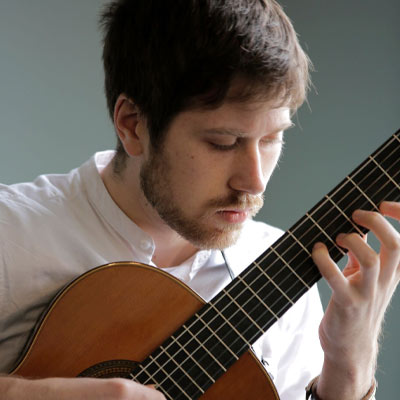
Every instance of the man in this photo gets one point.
(200, 93)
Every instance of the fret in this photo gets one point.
(325, 233)
(245, 312)
(153, 374)
(187, 383)
(364, 194)
(212, 340)
(289, 232)
(261, 302)
(266, 287)
(307, 232)
(383, 188)
(384, 171)
(355, 227)
(285, 278)
(377, 186)
(390, 148)
(276, 286)
(288, 266)
(305, 227)
(294, 254)
(389, 160)
(274, 297)
(189, 362)
(139, 375)
(174, 389)
(236, 318)
(331, 219)
(206, 361)
(353, 200)
(208, 343)
(392, 167)
(166, 348)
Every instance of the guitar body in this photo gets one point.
(124, 311)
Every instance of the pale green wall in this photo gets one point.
(53, 115)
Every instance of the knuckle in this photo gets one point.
(119, 388)
(394, 244)
(371, 260)
(351, 238)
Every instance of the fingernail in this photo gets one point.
(357, 213)
(340, 237)
(318, 246)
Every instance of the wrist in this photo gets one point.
(347, 378)
(312, 393)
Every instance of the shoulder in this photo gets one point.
(38, 205)
(34, 197)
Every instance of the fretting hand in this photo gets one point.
(361, 293)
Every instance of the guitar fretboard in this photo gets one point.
(193, 358)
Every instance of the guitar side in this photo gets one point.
(124, 311)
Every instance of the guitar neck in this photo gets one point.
(215, 337)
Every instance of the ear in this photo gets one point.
(130, 126)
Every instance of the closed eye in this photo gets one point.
(224, 147)
(272, 141)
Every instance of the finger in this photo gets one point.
(329, 270)
(366, 257)
(154, 392)
(390, 209)
(386, 234)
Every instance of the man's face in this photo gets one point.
(212, 169)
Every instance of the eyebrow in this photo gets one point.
(240, 133)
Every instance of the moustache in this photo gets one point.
(238, 201)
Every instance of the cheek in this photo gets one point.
(270, 160)
(197, 177)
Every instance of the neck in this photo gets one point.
(170, 248)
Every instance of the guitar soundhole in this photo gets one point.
(110, 369)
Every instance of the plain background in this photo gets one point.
(53, 114)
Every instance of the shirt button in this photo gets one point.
(145, 244)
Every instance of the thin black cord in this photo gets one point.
(231, 274)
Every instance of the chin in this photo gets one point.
(216, 240)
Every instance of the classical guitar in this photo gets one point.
(135, 321)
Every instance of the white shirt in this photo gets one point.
(60, 226)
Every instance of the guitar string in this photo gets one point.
(268, 308)
(390, 192)
(370, 172)
(364, 177)
(364, 197)
(295, 255)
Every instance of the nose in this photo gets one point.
(248, 172)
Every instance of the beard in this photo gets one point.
(156, 184)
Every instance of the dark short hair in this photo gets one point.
(172, 55)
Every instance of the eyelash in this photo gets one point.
(222, 147)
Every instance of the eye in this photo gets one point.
(224, 144)
(224, 147)
(273, 140)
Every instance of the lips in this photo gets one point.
(234, 216)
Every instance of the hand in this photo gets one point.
(77, 389)
(351, 325)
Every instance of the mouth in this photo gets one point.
(234, 216)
